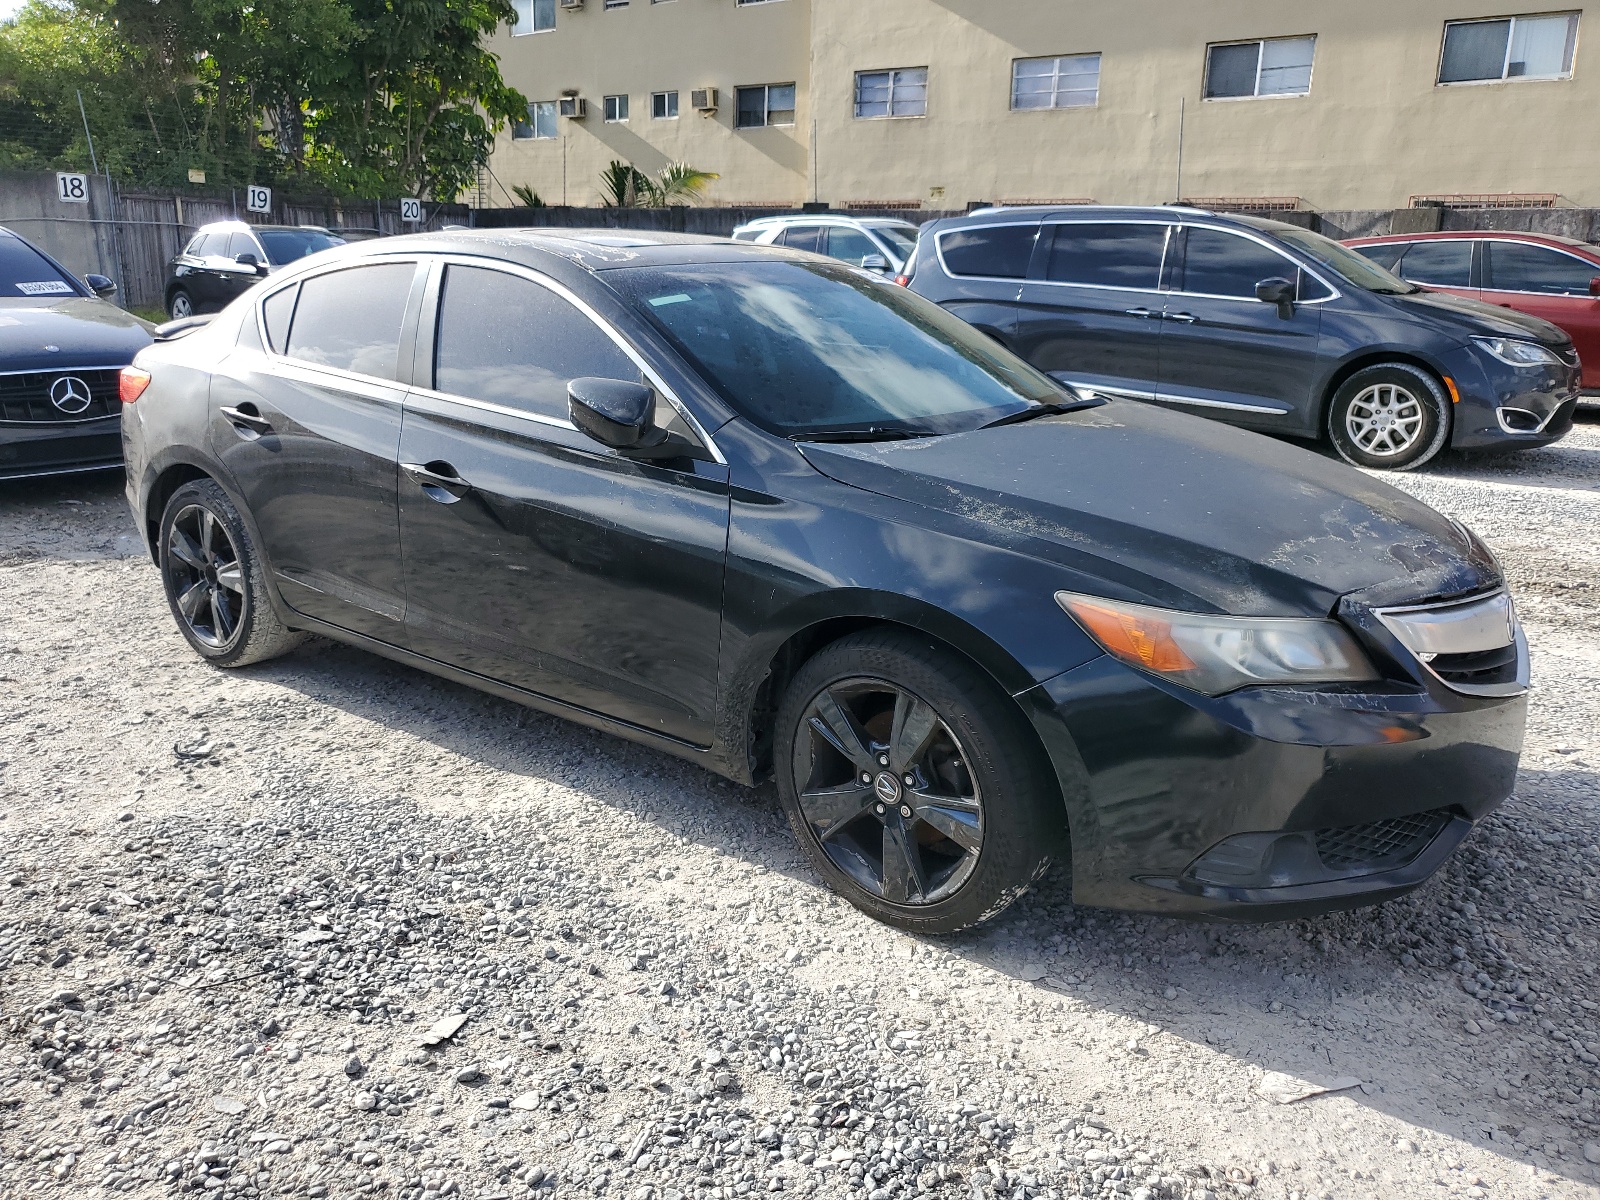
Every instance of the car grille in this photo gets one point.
(1477, 669)
(1472, 646)
(1380, 845)
(25, 395)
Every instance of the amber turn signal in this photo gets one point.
(132, 383)
(1140, 639)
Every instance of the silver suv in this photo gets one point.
(875, 243)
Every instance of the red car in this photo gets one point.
(1555, 278)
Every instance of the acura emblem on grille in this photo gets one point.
(70, 394)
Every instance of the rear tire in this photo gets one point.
(1392, 416)
(214, 582)
(911, 783)
(180, 304)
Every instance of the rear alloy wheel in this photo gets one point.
(214, 582)
(179, 305)
(1390, 417)
(910, 785)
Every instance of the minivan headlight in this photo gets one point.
(1213, 654)
(1518, 353)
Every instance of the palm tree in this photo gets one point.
(679, 183)
(526, 196)
(623, 185)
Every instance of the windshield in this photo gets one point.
(806, 349)
(286, 245)
(26, 272)
(1354, 268)
(902, 237)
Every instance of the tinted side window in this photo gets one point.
(208, 243)
(1385, 254)
(350, 319)
(802, 237)
(1523, 268)
(243, 243)
(1445, 264)
(1125, 256)
(278, 308)
(1224, 264)
(851, 245)
(1001, 251)
(511, 342)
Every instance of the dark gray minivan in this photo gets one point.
(1255, 322)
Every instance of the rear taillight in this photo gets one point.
(132, 383)
(903, 280)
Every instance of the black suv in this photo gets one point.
(1254, 322)
(224, 258)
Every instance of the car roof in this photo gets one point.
(1503, 235)
(589, 250)
(1008, 215)
(234, 224)
(824, 219)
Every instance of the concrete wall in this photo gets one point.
(77, 236)
(1375, 129)
(649, 47)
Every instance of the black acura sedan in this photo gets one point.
(62, 350)
(782, 518)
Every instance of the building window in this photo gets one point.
(664, 106)
(1274, 67)
(616, 3)
(540, 125)
(1072, 81)
(749, 3)
(533, 16)
(898, 93)
(767, 104)
(1509, 48)
(616, 108)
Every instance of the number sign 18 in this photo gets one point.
(72, 188)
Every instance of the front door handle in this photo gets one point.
(1139, 312)
(247, 420)
(1185, 318)
(439, 480)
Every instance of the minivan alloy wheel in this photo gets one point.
(883, 784)
(206, 579)
(1385, 420)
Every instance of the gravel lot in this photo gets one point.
(232, 905)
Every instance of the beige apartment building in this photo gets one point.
(939, 104)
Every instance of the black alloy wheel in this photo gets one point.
(912, 782)
(214, 580)
(887, 791)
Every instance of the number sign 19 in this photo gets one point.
(72, 188)
(258, 199)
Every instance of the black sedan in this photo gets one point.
(62, 349)
(781, 518)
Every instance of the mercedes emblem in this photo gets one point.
(70, 394)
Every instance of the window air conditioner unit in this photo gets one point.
(703, 100)
(571, 4)
(574, 107)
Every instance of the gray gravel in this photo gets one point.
(330, 927)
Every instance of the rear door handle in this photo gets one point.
(439, 480)
(1186, 318)
(247, 420)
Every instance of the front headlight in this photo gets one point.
(1220, 654)
(1518, 353)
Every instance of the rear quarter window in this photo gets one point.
(996, 251)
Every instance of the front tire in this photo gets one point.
(1392, 416)
(912, 784)
(180, 304)
(214, 582)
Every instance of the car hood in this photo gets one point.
(1475, 318)
(72, 332)
(1144, 504)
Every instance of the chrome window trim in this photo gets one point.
(1508, 241)
(571, 297)
(502, 410)
(1333, 292)
(1037, 225)
(338, 373)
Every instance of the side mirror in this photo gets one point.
(1594, 286)
(875, 262)
(103, 287)
(615, 413)
(1277, 291)
(247, 259)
